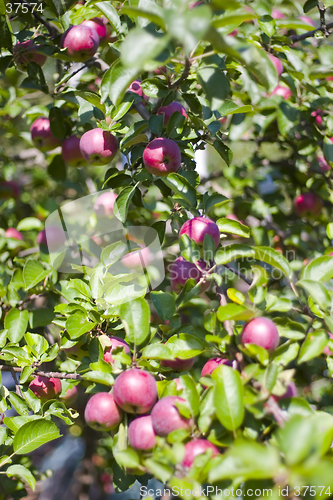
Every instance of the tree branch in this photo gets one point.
(15, 369)
(238, 273)
(309, 34)
(17, 385)
(53, 32)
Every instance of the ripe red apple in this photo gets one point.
(166, 417)
(9, 189)
(25, 52)
(214, 363)
(181, 270)
(42, 136)
(197, 447)
(291, 392)
(136, 88)
(171, 108)
(53, 236)
(161, 157)
(307, 20)
(282, 91)
(198, 227)
(104, 203)
(317, 116)
(262, 332)
(115, 343)
(71, 395)
(97, 24)
(102, 413)
(141, 434)
(98, 146)
(326, 349)
(138, 258)
(81, 41)
(277, 14)
(11, 232)
(323, 165)
(71, 151)
(277, 63)
(45, 388)
(308, 205)
(177, 364)
(135, 391)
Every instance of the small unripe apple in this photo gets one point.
(104, 203)
(181, 270)
(9, 189)
(277, 63)
(97, 24)
(11, 232)
(308, 205)
(291, 392)
(141, 435)
(71, 152)
(161, 157)
(135, 391)
(42, 136)
(116, 342)
(307, 20)
(166, 417)
(25, 52)
(198, 227)
(262, 332)
(277, 14)
(53, 236)
(197, 447)
(171, 108)
(45, 388)
(282, 91)
(102, 413)
(98, 146)
(177, 364)
(81, 41)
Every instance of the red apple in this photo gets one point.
(197, 447)
(102, 413)
(282, 91)
(53, 236)
(177, 364)
(115, 343)
(11, 232)
(307, 20)
(97, 24)
(9, 189)
(214, 363)
(277, 14)
(71, 152)
(45, 388)
(71, 395)
(181, 270)
(161, 157)
(171, 108)
(25, 52)
(198, 227)
(136, 88)
(326, 349)
(318, 117)
(277, 63)
(42, 136)
(98, 146)
(291, 392)
(308, 205)
(166, 417)
(104, 203)
(81, 41)
(262, 332)
(135, 391)
(138, 258)
(323, 165)
(141, 435)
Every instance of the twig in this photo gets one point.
(223, 302)
(17, 386)
(238, 273)
(309, 34)
(183, 76)
(70, 376)
(142, 111)
(53, 32)
(322, 10)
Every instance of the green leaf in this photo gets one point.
(110, 13)
(228, 397)
(91, 97)
(182, 187)
(16, 323)
(215, 85)
(185, 345)
(116, 81)
(135, 316)
(155, 124)
(312, 346)
(234, 18)
(157, 351)
(113, 253)
(127, 458)
(33, 273)
(80, 286)
(98, 377)
(151, 16)
(141, 46)
(30, 223)
(230, 226)
(231, 108)
(57, 123)
(121, 205)
(317, 291)
(77, 324)
(19, 404)
(5, 34)
(320, 269)
(164, 304)
(274, 258)
(37, 343)
(23, 473)
(190, 393)
(232, 252)
(34, 434)
(234, 312)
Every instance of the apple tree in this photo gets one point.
(204, 129)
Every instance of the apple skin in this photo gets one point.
(141, 434)
(104, 203)
(102, 413)
(161, 157)
(291, 392)
(98, 146)
(11, 232)
(308, 205)
(166, 417)
(326, 349)
(277, 14)
(323, 165)
(317, 116)
(137, 259)
(71, 152)
(54, 236)
(71, 395)
(277, 63)
(42, 136)
(45, 388)
(171, 108)
(25, 52)
(135, 391)
(197, 447)
(262, 332)
(282, 91)
(81, 41)
(97, 24)
(136, 88)
(177, 364)
(307, 20)
(115, 342)
(181, 270)
(198, 227)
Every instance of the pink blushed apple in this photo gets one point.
(197, 228)
(177, 364)
(116, 342)
(166, 417)
(162, 156)
(81, 42)
(277, 14)
(42, 136)
(136, 88)
(104, 203)
(197, 447)
(102, 413)
(13, 233)
(261, 332)
(307, 20)
(141, 435)
(171, 108)
(45, 388)
(135, 391)
(326, 349)
(308, 205)
(25, 52)
(53, 236)
(283, 92)
(181, 270)
(98, 146)
(71, 152)
(277, 63)
(98, 25)
(291, 392)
